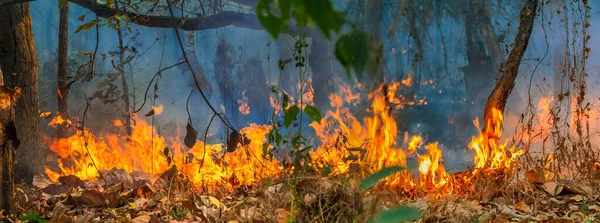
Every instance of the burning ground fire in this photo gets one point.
(347, 146)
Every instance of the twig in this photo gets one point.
(86, 139)
(151, 81)
(176, 30)
(204, 144)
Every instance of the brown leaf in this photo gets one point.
(91, 198)
(234, 138)
(115, 176)
(552, 188)
(576, 198)
(144, 191)
(71, 181)
(522, 207)
(41, 181)
(55, 189)
(536, 175)
(163, 180)
(61, 218)
(579, 189)
(141, 219)
(86, 218)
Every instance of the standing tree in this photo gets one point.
(63, 66)
(18, 60)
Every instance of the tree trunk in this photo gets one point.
(373, 27)
(499, 96)
(8, 144)
(125, 87)
(63, 66)
(320, 64)
(18, 60)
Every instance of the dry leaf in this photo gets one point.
(41, 181)
(522, 207)
(61, 218)
(552, 188)
(576, 198)
(536, 175)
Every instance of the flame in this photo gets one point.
(433, 174)
(59, 120)
(158, 109)
(117, 123)
(489, 154)
(347, 145)
(243, 107)
(83, 154)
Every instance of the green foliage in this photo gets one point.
(88, 25)
(398, 214)
(33, 218)
(352, 51)
(166, 153)
(61, 3)
(372, 180)
(290, 115)
(273, 15)
(313, 113)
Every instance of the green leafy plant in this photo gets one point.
(398, 214)
(352, 48)
(33, 218)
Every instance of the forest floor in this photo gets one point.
(123, 197)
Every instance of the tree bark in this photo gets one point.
(124, 85)
(510, 70)
(63, 66)
(320, 62)
(373, 27)
(18, 60)
(8, 143)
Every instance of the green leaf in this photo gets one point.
(286, 101)
(88, 25)
(372, 180)
(396, 215)
(290, 115)
(61, 3)
(352, 51)
(323, 15)
(313, 113)
(166, 151)
(123, 18)
(101, 2)
(31, 217)
(271, 22)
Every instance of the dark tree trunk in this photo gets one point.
(479, 73)
(510, 70)
(124, 85)
(18, 60)
(320, 64)
(373, 27)
(8, 144)
(63, 66)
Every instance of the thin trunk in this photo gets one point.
(124, 78)
(499, 96)
(63, 66)
(319, 62)
(489, 35)
(18, 60)
(7, 148)
(373, 26)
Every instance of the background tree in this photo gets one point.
(18, 60)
